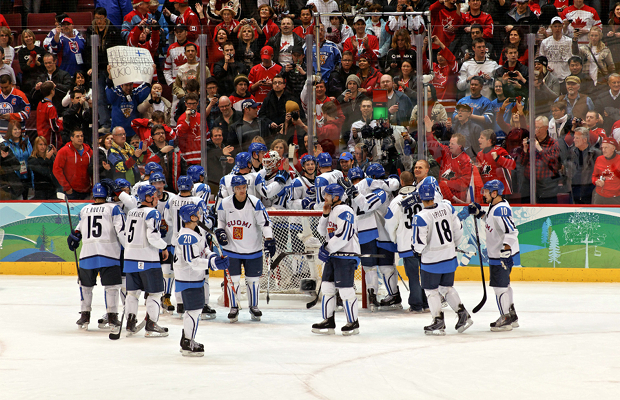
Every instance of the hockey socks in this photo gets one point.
(131, 302)
(328, 301)
(123, 292)
(232, 292)
(168, 277)
(503, 296)
(390, 279)
(153, 306)
(372, 278)
(349, 301)
(86, 298)
(190, 323)
(253, 288)
(207, 289)
(434, 301)
(111, 298)
(452, 297)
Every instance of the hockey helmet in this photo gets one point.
(146, 190)
(195, 172)
(493, 185)
(430, 180)
(271, 162)
(355, 173)
(186, 212)
(99, 191)
(334, 189)
(242, 160)
(306, 158)
(122, 183)
(375, 171)
(109, 185)
(151, 167)
(185, 183)
(238, 180)
(324, 160)
(257, 147)
(157, 177)
(426, 191)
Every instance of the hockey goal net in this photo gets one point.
(298, 273)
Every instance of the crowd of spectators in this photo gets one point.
(478, 102)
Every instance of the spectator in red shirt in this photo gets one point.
(261, 75)
(48, 124)
(307, 23)
(445, 19)
(494, 161)
(188, 130)
(71, 167)
(186, 17)
(606, 175)
(362, 43)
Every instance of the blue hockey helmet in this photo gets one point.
(375, 171)
(324, 160)
(306, 158)
(188, 210)
(122, 183)
(426, 191)
(334, 189)
(430, 180)
(151, 167)
(238, 180)
(355, 173)
(99, 191)
(146, 190)
(195, 172)
(157, 177)
(185, 183)
(493, 185)
(256, 147)
(243, 159)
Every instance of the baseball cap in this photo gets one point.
(358, 18)
(140, 1)
(67, 21)
(521, 1)
(346, 156)
(556, 19)
(297, 49)
(180, 27)
(610, 140)
(572, 79)
(248, 103)
(464, 106)
(266, 53)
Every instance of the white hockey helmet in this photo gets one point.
(271, 162)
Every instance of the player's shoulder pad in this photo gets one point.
(381, 193)
(502, 211)
(259, 180)
(389, 214)
(153, 214)
(320, 181)
(346, 216)
(417, 220)
(117, 210)
(187, 239)
(450, 206)
(297, 183)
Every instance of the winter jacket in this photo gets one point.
(71, 168)
(22, 157)
(371, 82)
(43, 178)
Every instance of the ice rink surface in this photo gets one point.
(566, 348)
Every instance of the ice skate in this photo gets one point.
(464, 321)
(166, 304)
(255, 313)
(438, 327)
(102, 323)
(503, 323)
(352, 328)
(113, 321)
(191, 348)
(154, 330)
(207, 312)
(233, 315)
(326, 327)
(514, 320)
(180, 310)
(132, 325)
(391, 302)
(373, 304)
(84, 320)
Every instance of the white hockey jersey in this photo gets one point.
(500, 230)
(102, 227)
(171, 212)
(134, 188)
(340, 232)
(143, 240)
(202, 190)
(279, 192)
(321, 181)
(127, 201)
(245, 228)
(191, 258)
(161, 206)
(437, 231)
(301, 188)
(365, 205)
(256, 186)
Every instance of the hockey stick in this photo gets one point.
(484, 287)
(268, 275)
(403, 281)
(115, 335)
(62, 195)
(316, 299)
(283, 255)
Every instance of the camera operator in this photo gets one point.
(78, 115)
(156, 102)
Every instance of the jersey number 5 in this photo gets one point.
(131, 231)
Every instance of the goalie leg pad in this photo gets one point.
(503, 298)
(153, 306)
(390, 279)
(349, 301)
(253, 285)
(190, 323)
(328, 301)
(372, 278)
(451, 296)
(86, 298)
(111, 298)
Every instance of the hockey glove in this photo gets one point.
(411, 200)
(219, 263)
(505, 257)
(308, 203)
(348, 187)
(476, 210)
(222, 239)
(323, 254)
(211, 219)
(270, 246)
(163, 229)
(109, 186)
(73, 240)
(281, 177)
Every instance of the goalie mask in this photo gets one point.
(271, 162)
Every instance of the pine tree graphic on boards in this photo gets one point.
(554, 249)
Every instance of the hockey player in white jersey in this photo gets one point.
(273, 174)
(174, 220)
(257, 151)
(398, 225)
(366, 198)
(303, 192)
(101, 229)
(437, 231)
(326, 177)
(255, 181)
(123, 196)
(340, 255)
(149, 168)
(192, 258)
(242, 222)
(503, 250)
(201, 188)
(143, 243)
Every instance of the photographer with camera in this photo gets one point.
(78, 115)
(350, 101)
(513, 74)
(227, 69)
(146, 36)
(186, 17)
(156, 102)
